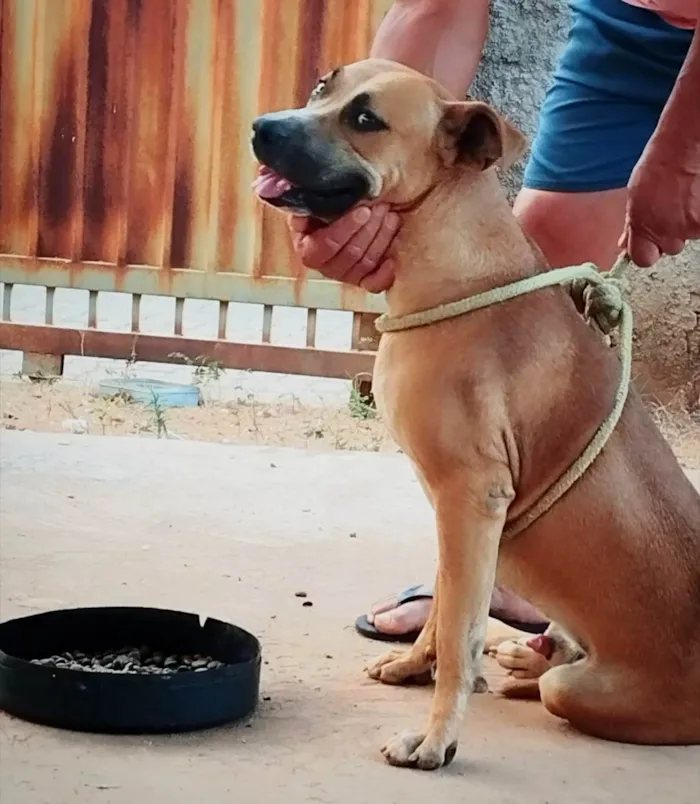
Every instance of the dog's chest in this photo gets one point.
(398, 390)
(381, 384)
(389, 385)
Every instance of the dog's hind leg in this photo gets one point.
(520, 689)
(619, 703)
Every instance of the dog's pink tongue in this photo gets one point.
(269, 184)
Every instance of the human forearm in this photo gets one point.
(678, 131)
(663, 209)
(441, 38)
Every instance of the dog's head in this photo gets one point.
(374, 130)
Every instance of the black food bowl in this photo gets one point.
(213, 675)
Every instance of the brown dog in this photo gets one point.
(491, 408)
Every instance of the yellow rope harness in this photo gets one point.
(601, 296)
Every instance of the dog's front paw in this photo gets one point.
(401, 667)
(417, 750)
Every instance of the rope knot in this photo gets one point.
(602, 299)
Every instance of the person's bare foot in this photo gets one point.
(396, 615)
(525, 657)
(391, 616)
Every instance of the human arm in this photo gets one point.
(443, 39)
(440, 38)
(663, 209)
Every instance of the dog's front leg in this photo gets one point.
(470, 522)
(414, 665)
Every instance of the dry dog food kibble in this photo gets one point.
(131, 660)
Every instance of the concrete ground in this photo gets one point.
(235, 532)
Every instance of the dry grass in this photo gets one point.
(45, 406)
(682, 431)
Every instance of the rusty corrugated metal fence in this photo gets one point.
(125, 166)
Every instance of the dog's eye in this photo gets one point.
(367, 121)
(320, 89)
(317, 91)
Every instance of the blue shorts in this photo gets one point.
(614, 77)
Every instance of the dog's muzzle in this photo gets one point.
(302, 169)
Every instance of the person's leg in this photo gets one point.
(612, 82)
(572, 228)
(400, 617)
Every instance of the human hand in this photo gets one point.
(351, 249)
(663, 206)
(663, 211)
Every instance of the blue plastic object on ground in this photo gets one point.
(148, 392)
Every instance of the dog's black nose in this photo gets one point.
(277, 134)
(266, 131)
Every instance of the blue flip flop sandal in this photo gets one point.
(422, 592)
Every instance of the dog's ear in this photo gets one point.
(471, 132)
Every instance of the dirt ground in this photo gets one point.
(234, 532)
(45, 406)
(48, 406)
